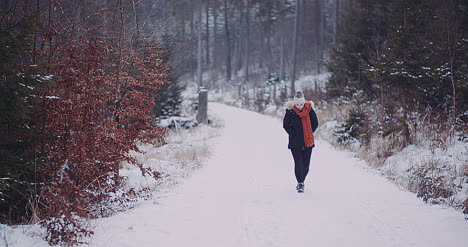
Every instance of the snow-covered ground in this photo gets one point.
(244, 195)
(420, 168)
(444, 168)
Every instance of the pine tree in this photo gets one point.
(351, 51)
(447, 65)
(17, 89)
(168, 98)
(406, 55)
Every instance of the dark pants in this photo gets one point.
(302, 162)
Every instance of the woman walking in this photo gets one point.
(300, 121)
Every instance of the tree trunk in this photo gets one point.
(318, 36)
(137, 24)
(282, 52)
(228, 43)
(337, 19)
(453, 37)
(202, 116)
(246, 46)
(239, 51)
(406, 131)
(296, 25)
(199, 58)
(237, 37)
(207, 34)
(268, 52)
(35, 36)
(321, 24)
(215, 46)
(268, 38)
(235, 51)
(302, 38)
(454, 92)
(261, 48)
(322, 30)
(192, 70)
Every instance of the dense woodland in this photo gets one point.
(399, 69)
(83, 81)
(406, 58)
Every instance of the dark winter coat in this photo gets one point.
(293, 125)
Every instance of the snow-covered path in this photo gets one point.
(245, 196)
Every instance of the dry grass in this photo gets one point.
(193, 153)
(178, 153)
(33, 204)
(380, 148)
(187, 147)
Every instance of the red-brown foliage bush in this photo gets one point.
(98, 86)
(88, 122)
(66, 213)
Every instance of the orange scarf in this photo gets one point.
(309, 138)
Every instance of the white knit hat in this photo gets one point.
(299, 98)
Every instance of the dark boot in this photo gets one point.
(300, 188)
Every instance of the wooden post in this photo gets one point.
(274, 92)
(202, 116)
